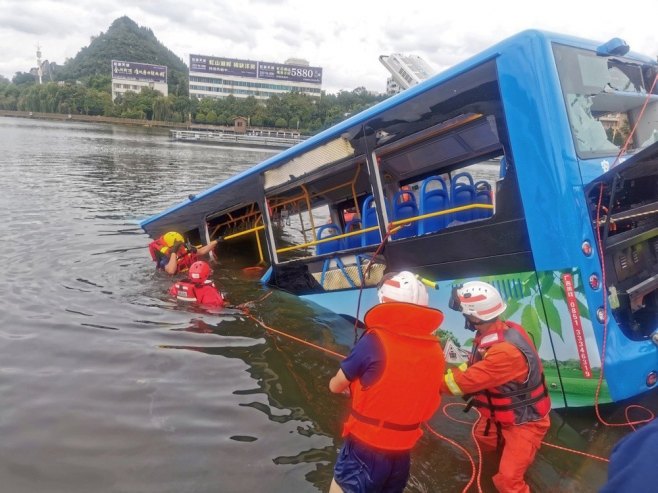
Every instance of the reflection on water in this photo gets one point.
(107, 385)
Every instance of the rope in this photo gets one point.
(290, 336)
(604, 290)
(624, 218)
(578, 452)
(389, 231)
(476, 475)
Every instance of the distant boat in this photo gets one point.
(504, 169)
(267, 140)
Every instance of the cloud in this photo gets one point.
(344, 37)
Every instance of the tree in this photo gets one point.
(23, 78)
(445, 336)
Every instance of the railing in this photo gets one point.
(400, 223)
(229, 138)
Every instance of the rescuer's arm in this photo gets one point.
(501, 363)
(207, 248)
(172, 266)
(339, 383)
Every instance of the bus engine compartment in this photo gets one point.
(627, 222)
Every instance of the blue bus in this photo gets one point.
(532, 166)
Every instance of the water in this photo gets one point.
(108, 386)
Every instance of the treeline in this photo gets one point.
(291, 110)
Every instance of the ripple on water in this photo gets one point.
(170, 399)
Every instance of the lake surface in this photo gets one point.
(109, 386)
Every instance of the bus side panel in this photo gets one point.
(535, 301)
(562, 309)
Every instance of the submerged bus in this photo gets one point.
(507, 168)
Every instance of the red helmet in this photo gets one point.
(199, 271)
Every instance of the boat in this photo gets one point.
(532, 166)
(260, 139)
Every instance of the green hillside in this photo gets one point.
(124, 40)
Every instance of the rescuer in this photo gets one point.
(393, 374)
(504, 379)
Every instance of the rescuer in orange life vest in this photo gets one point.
(504, 379)
(394, 374)
(173, 254)
(197, 288)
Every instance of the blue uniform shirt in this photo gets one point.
(365, 361)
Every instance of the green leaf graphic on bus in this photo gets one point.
(540, 298)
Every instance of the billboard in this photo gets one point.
(139, 71)
(297, 73)
(224, 66)
(254, 69)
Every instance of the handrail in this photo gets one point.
(242, 233)
(394, 223)
(328, 239)
(408, 220)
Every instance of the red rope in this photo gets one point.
(389, 230)
(290, 336)
(604, 290)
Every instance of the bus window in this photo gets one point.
(604, 98)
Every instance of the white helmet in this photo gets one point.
(402, 286)
(478, 299)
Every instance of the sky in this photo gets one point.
(344, 37)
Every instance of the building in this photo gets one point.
(453, 354)
(406, 71)
(217, 77)
(132, 76)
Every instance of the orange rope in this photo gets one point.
(290, 336)
(585, 454)
(603, 280)
(466, 453)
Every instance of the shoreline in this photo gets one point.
(33, 115)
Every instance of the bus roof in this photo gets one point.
(246, 186)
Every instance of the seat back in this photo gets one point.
(433, 200)
(369, 211)
(353, 241)
(482, 196)
(502, 171)
(404, 207)
(327, 231)
(462, 193)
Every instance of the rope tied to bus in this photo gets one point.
(599, 238)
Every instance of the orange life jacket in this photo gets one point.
(513, 402)
(206, 293)
(158, 249)
(388, 414)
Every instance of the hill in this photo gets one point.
(125, 40)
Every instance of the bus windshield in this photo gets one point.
(604, 97)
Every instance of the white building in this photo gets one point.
(406, 71)
(217, 77)
(453, 354)
(132, 76)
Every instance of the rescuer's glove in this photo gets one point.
(175, 247)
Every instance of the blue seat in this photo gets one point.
(502, 171)
(482, 196)
(370, 219)
(404, 207)
(327, 231)
(353, 241)
(462, 193)
(434, 200)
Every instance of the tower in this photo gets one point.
(39, 71)
(406, 71)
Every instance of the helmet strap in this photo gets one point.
(473, 326)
